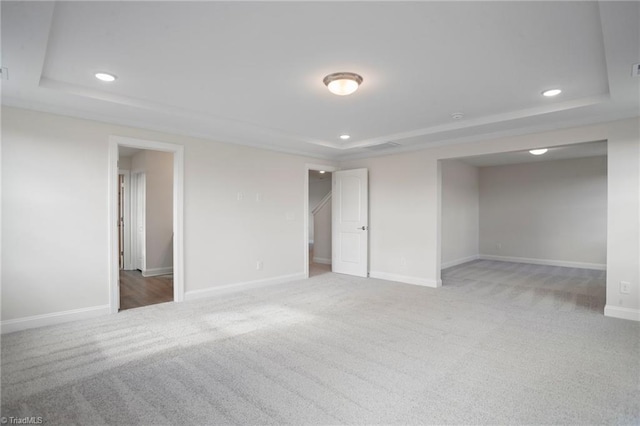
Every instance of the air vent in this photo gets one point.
(636, 70)
(386, 145)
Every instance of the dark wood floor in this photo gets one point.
(137, 291)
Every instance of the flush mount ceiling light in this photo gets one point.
(457, 115)
(106, 77)
(538, 151)
(321, 172)
(551, 92)
(344, 137)
(342, 83)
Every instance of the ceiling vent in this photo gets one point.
(382, 146)
(636, 70)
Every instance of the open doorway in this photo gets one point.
(317, 219)
(319, 222)
(146, 225)
(532, 225)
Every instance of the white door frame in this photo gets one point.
(178, 209)
(306, 209)
(127, 244)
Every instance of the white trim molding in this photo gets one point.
(405, 279)
(460, 261)
(18, 324)
(622, 313)
(154, 272)
(548, 262)
(241, 286)
(322, 260)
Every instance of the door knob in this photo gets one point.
(364, 228)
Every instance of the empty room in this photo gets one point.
(470, 255)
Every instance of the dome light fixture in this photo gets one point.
(551, 92)
(106, 77)
(538, 151)
(342, 83)
(344, 137)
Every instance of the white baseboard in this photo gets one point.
(622, 313)
(548, 262)
(154, 272)
(460, 261)
(241, 286)
(9, 326)
(405, 279)
(322, 260)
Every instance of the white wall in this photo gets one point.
(55, 219)
(401, 216)
(623, 244)
(322, 242)
(55, 216)
(318, 189)
(546, 211)
(405, 205)
(158, 169)
(460, 212)
(124, 163)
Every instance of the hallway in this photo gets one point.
(137, 291)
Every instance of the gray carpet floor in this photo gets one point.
(499, 343)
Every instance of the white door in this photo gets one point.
(350, 222)
(138, 213)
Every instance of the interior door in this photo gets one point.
(350, 222)
(121, 222)
(139, 186)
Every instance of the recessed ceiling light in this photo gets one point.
(551, 92)
(342, 83)
(321, 172)
(538, 151)
(103, 76)
(344, 137)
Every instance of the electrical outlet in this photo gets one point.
(240, 196)
(499, 246)
(259, 265)
(625, 287)
(403, 261)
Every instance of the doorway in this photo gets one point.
(319, 222)
(317, 197)
(148, 268)
(148, 278)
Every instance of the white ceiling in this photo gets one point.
(251, 72)
(315, 175)
(127, 151)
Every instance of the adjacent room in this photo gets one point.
(173, 254)
(542, 211)
(145, 227)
